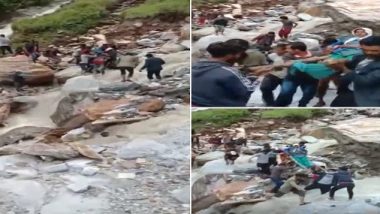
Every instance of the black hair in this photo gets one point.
(344, 168)
(328, 41)
(149, 55)
(240, 44)
(2, 35)
(222, 49)
(356, 30)
(282, 45)
(302, 143)
(284, 17)
(371, 41)
(298, 46)
(272, 33)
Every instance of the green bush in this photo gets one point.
(218, 117)
(293, 114)
(75, 18)
(152, 8)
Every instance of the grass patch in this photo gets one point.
(293, 114)
(218, 117)
(72, 19)
(152, 8)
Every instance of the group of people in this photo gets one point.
(278, 166)
(108, 56)
(229, 76)
(90, 58)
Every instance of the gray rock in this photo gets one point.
(57, 168)
(166, 36)
(81, 84)
(182, 195)
(309, 139)
(22, 133)
(304, 17)
(271, 13)
(140, 148)
(146, 43)
(116, 87)
(90, 171)
(78, 187)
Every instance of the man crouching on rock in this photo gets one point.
(295, 185)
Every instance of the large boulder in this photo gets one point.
(350, 14)
(34, 73)
(68, 73)
(81, 84)
(69, 107)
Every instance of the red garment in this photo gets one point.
(98, 61)
(202, 20)
(284, 32)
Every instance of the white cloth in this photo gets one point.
(278, 60)
(263, 158)
(4, 42)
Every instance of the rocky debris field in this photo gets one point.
(74, 143)
(342, 137)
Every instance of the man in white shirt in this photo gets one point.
(5, 45)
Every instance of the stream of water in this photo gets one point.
(32, 12)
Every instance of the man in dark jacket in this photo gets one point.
(342, 179)
(215, 83)
(364, 71)
(153, 65)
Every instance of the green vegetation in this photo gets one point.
(72, 19)
(218, 117)
(7, 6)
(225, 117)
(152, 8)
(292, 114)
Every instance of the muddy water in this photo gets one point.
(32, 12)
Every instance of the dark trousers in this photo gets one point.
(4, 49)
(349, 186)
(268, 85)
(264, 168)
(155, 72)
(324, 188)
(344, 99)
(289, 88)
(278, 183)
(124, 69)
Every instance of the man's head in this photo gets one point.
(230, 51)
(297, 48)
(2, 35)
(360, 32)
(302, 143)
(371, 47)
(281, 49)
(284, 18)
(272, 34)
(266, 146)
(343, 168)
